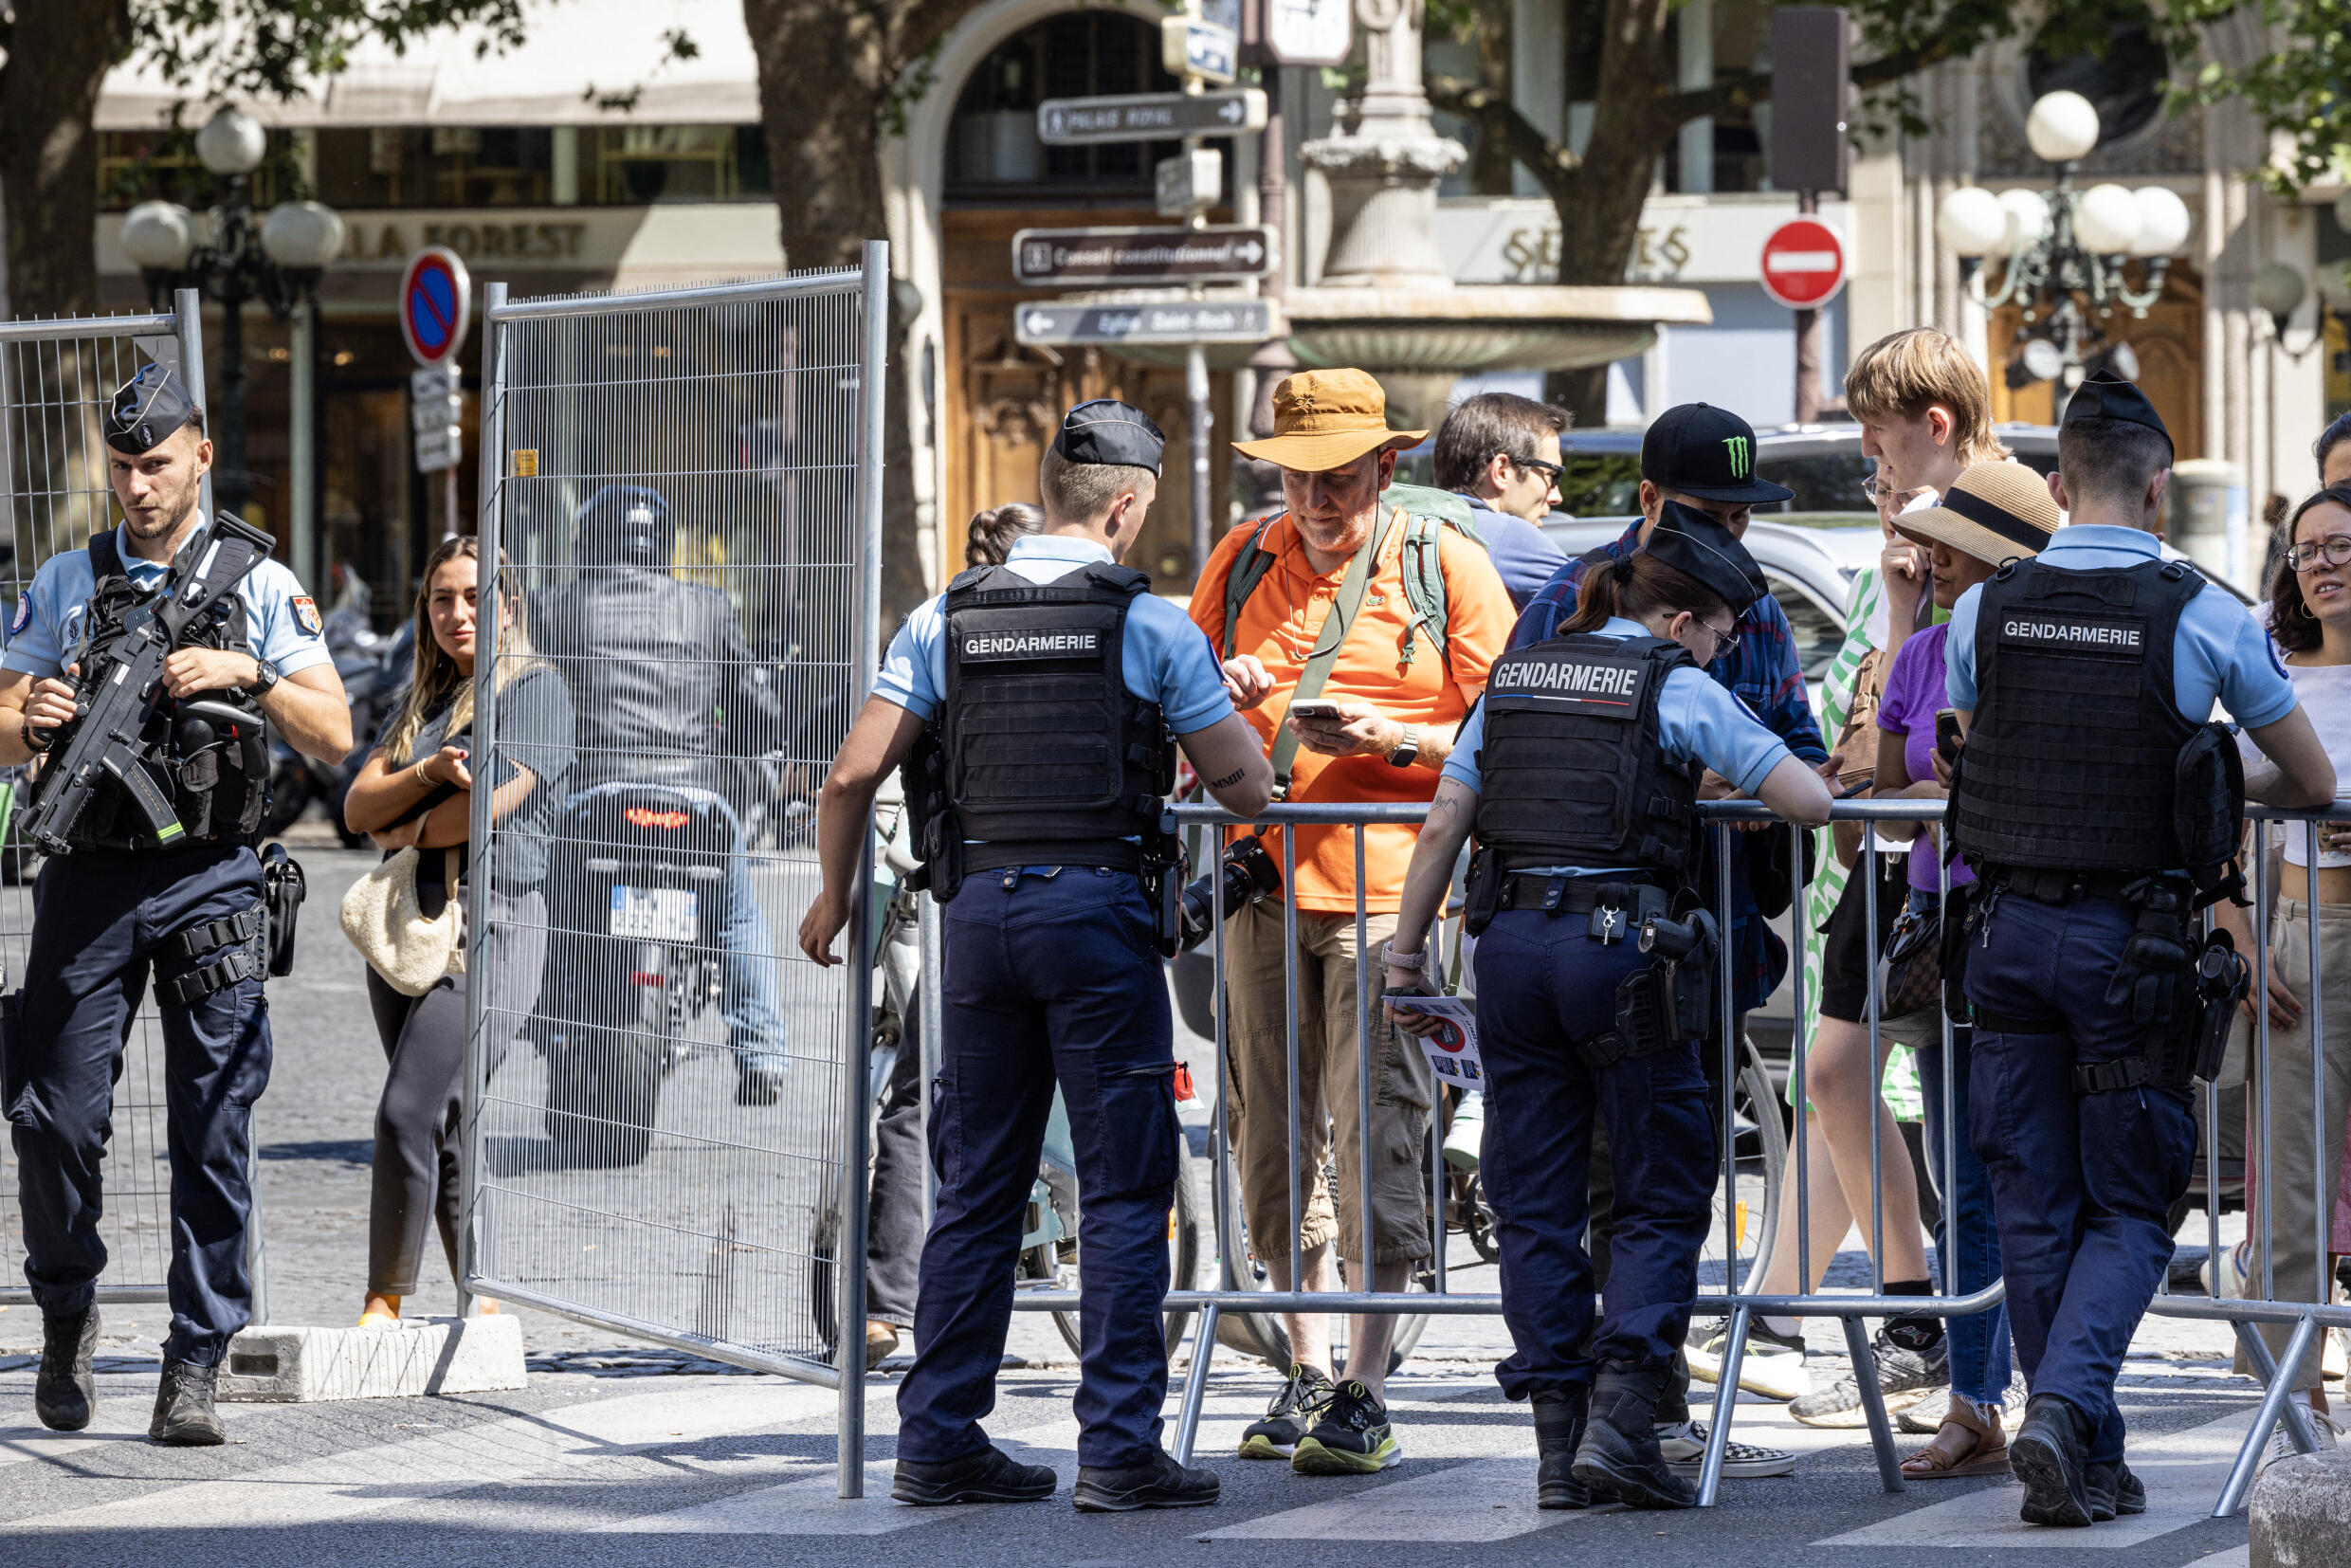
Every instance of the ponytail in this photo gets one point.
(1636, 587)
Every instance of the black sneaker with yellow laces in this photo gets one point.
(1353, 1437)
(1294, 1411)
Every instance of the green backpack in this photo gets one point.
(1426, 512)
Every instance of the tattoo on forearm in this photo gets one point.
(1228, 780)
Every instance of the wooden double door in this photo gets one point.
(2169, 340)
(1005, 401)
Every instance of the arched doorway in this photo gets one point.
(2169, 340)
(1003, 401)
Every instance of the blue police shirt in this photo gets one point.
(1697, 719)
(282, 622)
(1521, 551)
(2218, 651)
(1166, 658)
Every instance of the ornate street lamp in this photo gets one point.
(2064, 252)
(226, 256)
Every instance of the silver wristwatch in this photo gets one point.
(1408, 750)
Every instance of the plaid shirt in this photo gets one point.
(1761, 669)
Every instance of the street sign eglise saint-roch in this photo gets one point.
(1178, 323)
(1065, 258)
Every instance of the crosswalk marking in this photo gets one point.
(2235, 1557)
(363, 1481)
(2183, 1472)
(1491, 1499)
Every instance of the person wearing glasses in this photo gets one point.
(1501, 453)
(1579, 774)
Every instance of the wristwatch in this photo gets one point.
(265, 678)
(1407, 749)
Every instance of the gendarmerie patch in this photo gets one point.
(2119, 636)
(1568, 682)
(1056, 644)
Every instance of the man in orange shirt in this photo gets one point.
(1392, 680)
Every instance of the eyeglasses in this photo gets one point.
(1549, 471)
(1723, 636)
(1875, 486)
(2336, 551)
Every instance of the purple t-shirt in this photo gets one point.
(1914, 694)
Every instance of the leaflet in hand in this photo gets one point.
(1452, 1051)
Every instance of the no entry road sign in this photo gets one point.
(1149, 116)
(1803, 263)
(436, 303)
(1075, 256)
(1181, 321)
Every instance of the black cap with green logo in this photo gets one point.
(1701, 450)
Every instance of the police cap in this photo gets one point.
(1109, 431)
(2107, 395)
(146, 410)
(1695, 544)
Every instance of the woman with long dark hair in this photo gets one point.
(1578, 772)
(416, 792)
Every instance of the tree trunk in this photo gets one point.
(57, 56)
(826, 74)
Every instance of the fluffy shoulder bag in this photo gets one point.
(386, 921)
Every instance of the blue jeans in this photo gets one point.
(2083, 1185)
(1966, 1239)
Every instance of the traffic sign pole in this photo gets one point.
(1802, 266)
(1808, 337)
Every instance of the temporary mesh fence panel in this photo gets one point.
(659, 1071)
(56, 380)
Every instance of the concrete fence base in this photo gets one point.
(422, 1355)
(2301, 1512)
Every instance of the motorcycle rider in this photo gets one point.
(662, 682)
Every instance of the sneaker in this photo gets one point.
(1157, 1483)
(65, 1392)
(2048, 1457)
(1463, 1139)
(1303, 1396)
(2113, 1489)
(1904, 1377)
(2234, 1267)
(1926, 1417)
(989, 1476)
(1683, 1444)
(2322, 1426)
(184, 1416)
(1353, 1437)
(1772, 1365)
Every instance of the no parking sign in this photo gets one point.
(436, 305)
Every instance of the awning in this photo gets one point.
(577, 55)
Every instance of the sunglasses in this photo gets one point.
(1549, 471)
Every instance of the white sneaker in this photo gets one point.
(2234, 1264)
(1468, 1132)
(2322, 1426)
(1683, 1444)
(1772, 1365)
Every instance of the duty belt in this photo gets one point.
(1560, 894)
(2061, 885)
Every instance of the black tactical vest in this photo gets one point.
(1571, 770)
(2075, 748)
(1048, 759)
(216, 773)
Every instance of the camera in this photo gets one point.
(1249, 875)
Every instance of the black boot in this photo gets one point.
(66, 1391)
(2050, 1457)
(1619, 1449)
(184, 1415)
(1558, 1428)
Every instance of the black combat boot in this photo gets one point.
(66, 1391)
(1619, 1449)
(184, 1415)
(1558, 1428)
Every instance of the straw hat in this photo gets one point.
(1994, 511)
(1326, 419)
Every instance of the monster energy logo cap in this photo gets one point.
(1698, 449)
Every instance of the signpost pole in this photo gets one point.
(1195, 369)
(1808, 338)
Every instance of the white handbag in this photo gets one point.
(386, 921)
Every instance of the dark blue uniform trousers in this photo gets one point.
(1049, 974)
(1544, 986)
(99, 916)
(2081, 1186)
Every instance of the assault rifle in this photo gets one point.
(121, 683)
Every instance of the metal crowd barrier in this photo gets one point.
(57, 380)
(1735, 1294)
(621, 1165)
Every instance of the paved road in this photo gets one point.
(654, 1451)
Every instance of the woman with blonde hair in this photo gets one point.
(416, 792)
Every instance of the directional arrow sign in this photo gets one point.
(1073, 256)
(1149, 116)
(1181, 321)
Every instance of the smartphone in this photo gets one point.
(1315, 708)
(1947, 733)
(1857, 786)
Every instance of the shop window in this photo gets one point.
(161, 165)
(993, 151)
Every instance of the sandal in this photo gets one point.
(1963, 1446)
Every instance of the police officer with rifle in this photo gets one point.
(1042, 702)
(2101, 811)
(1596, 957)
(139, 675)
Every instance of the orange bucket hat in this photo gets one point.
(1326, 419)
